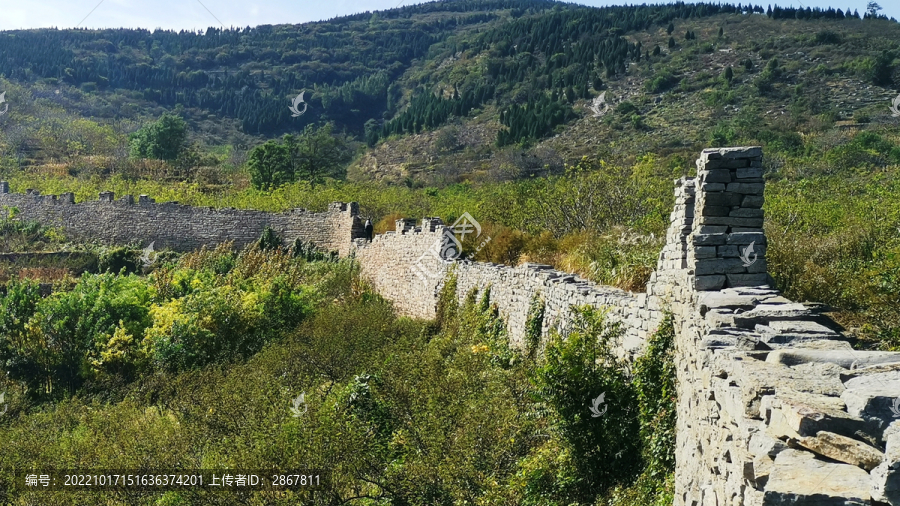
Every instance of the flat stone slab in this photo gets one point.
(758, 378)
(845, 359)
(763, 314)
(874, 396)
(796, 339)
(799, 479)
(725, 300)
(802, 417)
(793, 327)
(844, 449)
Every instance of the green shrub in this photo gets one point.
(626, 108)
(575, 371)
(73, 329)
(534, 324)
(269, 240)
(662, 81)
(654, 381)
(828, 37)
(118, 260)
(722, 135)
(310, 252)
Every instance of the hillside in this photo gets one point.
(425, 85)
(494, 108)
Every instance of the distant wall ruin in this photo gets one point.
(179, 227)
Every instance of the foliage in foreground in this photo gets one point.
(112, 327)
(399, 411)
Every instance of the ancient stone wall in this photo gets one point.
(774, 406)
(406, 267)
(181, 227)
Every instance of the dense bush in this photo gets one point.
(24, 235)
(120, 259)
(577, 369)
(210, 307)
(404, 411)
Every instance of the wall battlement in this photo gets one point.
(774, 406)
(180, 227)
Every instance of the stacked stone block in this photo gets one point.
(728, 245)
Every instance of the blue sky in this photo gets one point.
(200, 14)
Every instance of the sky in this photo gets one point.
(201, 14)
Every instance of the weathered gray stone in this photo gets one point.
(762, 467)
(750, 172)
(753, 201)
(874, 395)
(715, 211)
(744, 238)
(804, 419)
(713, 187)
(843, 449)
(745, 212)
(760, 378)
(845, 359)
(738, 279)
(724, 199)
(731, 222)
(712, 229)
(714, 282)
(763, 444)
(723, 299)
(718, 266)
(716, 176)
(799, 479)
(886, 476)
(746, 188)
(705, 252)
(709, 239)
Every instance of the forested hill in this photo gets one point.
(351, 62)
(515, 72)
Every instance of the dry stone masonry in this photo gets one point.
(774, 406)
(180, 227)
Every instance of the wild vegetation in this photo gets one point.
(486, 107)
(202, 358)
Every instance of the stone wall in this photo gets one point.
(406, 267)
(774, 406)
(181, 227)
